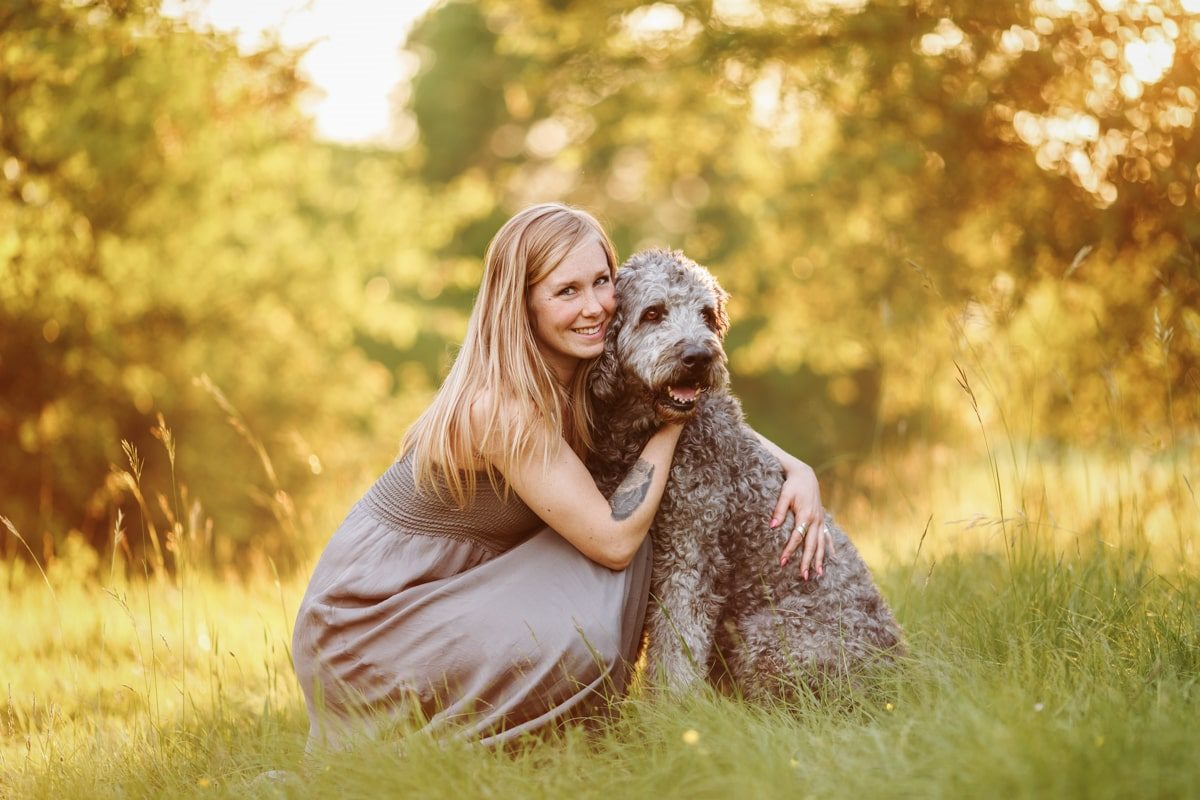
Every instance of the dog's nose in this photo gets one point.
(696, 356)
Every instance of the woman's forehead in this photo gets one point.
(583, 261)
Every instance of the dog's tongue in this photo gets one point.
(684, 392)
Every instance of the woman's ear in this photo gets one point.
(604, 380)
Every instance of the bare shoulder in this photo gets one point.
(490, 404)
(490, 410)
(481, 408)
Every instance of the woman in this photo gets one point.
(484, 581)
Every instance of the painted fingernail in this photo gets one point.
(783, 562)
(804, 574)
(774, 523)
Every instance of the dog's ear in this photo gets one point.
(604, 379)
(721, 309)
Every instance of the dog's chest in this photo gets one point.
(695, 506)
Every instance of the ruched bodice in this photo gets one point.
(490, 520)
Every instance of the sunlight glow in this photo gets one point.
(738, 13)
(945, 37)
(1153, 10)
(1016, 40)
(659, 25)
(354, 58)
(1149, 60)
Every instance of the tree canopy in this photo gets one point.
(855, 171)
(886, 189)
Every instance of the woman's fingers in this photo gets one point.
(810, 532)
(781, 509)
(793, 543)
(821, 534)
(817, 544)
(810, 550)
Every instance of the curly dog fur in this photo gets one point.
(722, 608)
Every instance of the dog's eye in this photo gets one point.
(652, 314)
(710, 317)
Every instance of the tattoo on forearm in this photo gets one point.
(632, 491)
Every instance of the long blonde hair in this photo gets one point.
(500, 358)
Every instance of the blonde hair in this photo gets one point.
(500, 359)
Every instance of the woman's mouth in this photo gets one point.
(589, 332)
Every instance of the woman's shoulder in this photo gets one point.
(489, 406)
(493, 413)
(504, 424)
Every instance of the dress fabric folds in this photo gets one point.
(482, 622)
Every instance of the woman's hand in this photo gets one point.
(802, 496)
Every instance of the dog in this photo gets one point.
(722, 609)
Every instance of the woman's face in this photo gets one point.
(570, 309)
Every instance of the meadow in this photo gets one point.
(963, 252)
(1051, 601)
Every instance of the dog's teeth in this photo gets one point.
(689, 398)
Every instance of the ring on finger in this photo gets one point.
(802, 528)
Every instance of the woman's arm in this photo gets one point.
(563, 494)
(802, 495)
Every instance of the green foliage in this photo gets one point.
(166, 214)
(865, 176)
(464, 72)
(887, 188)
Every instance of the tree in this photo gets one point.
(858, 174)
(167, 215)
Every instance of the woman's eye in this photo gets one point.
(567, 291)
(602, 280)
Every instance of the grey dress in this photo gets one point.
(483, 621)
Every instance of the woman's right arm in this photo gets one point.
(561, 491)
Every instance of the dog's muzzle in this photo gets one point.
(678, 397)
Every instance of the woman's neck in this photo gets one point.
(564, 370)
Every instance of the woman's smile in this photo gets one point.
(593, 332)
(570, 308)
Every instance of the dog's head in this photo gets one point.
(664, 344)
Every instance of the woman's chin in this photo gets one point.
(594, 351)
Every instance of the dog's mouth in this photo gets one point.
(680, 398)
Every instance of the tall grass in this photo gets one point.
(1051, 600)
(1059, 660)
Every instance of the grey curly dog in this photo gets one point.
(721, 609)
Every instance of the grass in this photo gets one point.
(1050, 598)
(1055, 652)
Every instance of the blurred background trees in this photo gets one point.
(885, 187)
(856, 171)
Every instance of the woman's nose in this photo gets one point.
(592, 305)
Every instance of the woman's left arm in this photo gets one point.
(802, 496)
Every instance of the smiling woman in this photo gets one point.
(484, 585)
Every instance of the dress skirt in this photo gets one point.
(465, 637)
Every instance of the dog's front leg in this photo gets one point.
(682, 618)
